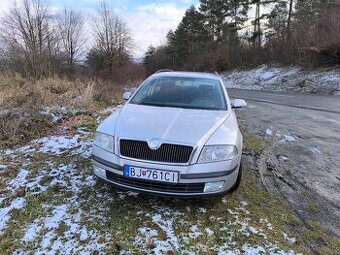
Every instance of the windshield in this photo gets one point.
(182, 92)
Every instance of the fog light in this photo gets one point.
(100, 172)
(213, 186)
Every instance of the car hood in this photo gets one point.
(174, 125)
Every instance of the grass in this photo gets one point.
(313, 207)
(22, 101)
(90, 125)
(114, 217)
(255, 143)
(21, 218)
(124, 218)
(315, 233)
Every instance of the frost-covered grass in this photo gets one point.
(51, 204)
(285, 79)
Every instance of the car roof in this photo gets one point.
(187, 74)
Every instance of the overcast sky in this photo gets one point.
(147, 20)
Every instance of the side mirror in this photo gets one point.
(238, 103)
(126, 95)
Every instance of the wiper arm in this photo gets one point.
(153, 104)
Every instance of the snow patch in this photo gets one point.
(57, 145)
(58, 213)
(18, 203)
(249, 250)
(209, 232)
(202, 210)
(148, 233)
(194, 232)
(268, 225)
(283, 158)
(56, 113)
(19, 180)
(123, 194)
(269, 131)
(289, 138)
(315, 150)
(163, 218)
(31, 232)
(167, 226)
(83, 234)
(283, 137)
(284, 79)
(290, 240)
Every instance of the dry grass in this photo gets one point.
(22, 100)
(17, 92)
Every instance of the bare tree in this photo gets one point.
(27, 38)
(70, 25)
(112, 37)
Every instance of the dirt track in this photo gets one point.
(301, 158)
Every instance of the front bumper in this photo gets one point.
(192, 179)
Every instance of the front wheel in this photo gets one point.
(238, 180)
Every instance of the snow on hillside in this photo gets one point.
(285, 79)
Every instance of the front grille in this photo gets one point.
(156, 186)
(171, 153)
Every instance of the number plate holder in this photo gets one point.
(151, 174)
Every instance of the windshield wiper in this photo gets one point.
(154, 104)
(184, 106)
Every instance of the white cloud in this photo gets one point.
(4, 6)
(150, 23)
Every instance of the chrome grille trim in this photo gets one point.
(167, 152)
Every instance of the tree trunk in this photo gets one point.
(289, 21)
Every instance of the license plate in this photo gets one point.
(150, 174)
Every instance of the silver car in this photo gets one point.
(177, 135)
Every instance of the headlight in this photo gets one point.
(104, 141)
(212, 153)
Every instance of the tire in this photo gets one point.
(238, 180)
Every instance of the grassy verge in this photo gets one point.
(31, 108)
(116, 221)
(70, 212)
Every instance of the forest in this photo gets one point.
(215, 35)
(37, 42)
(225, 34)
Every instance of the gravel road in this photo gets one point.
(301, 161)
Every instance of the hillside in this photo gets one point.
(289, 78)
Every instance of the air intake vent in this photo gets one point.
(170, 153)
